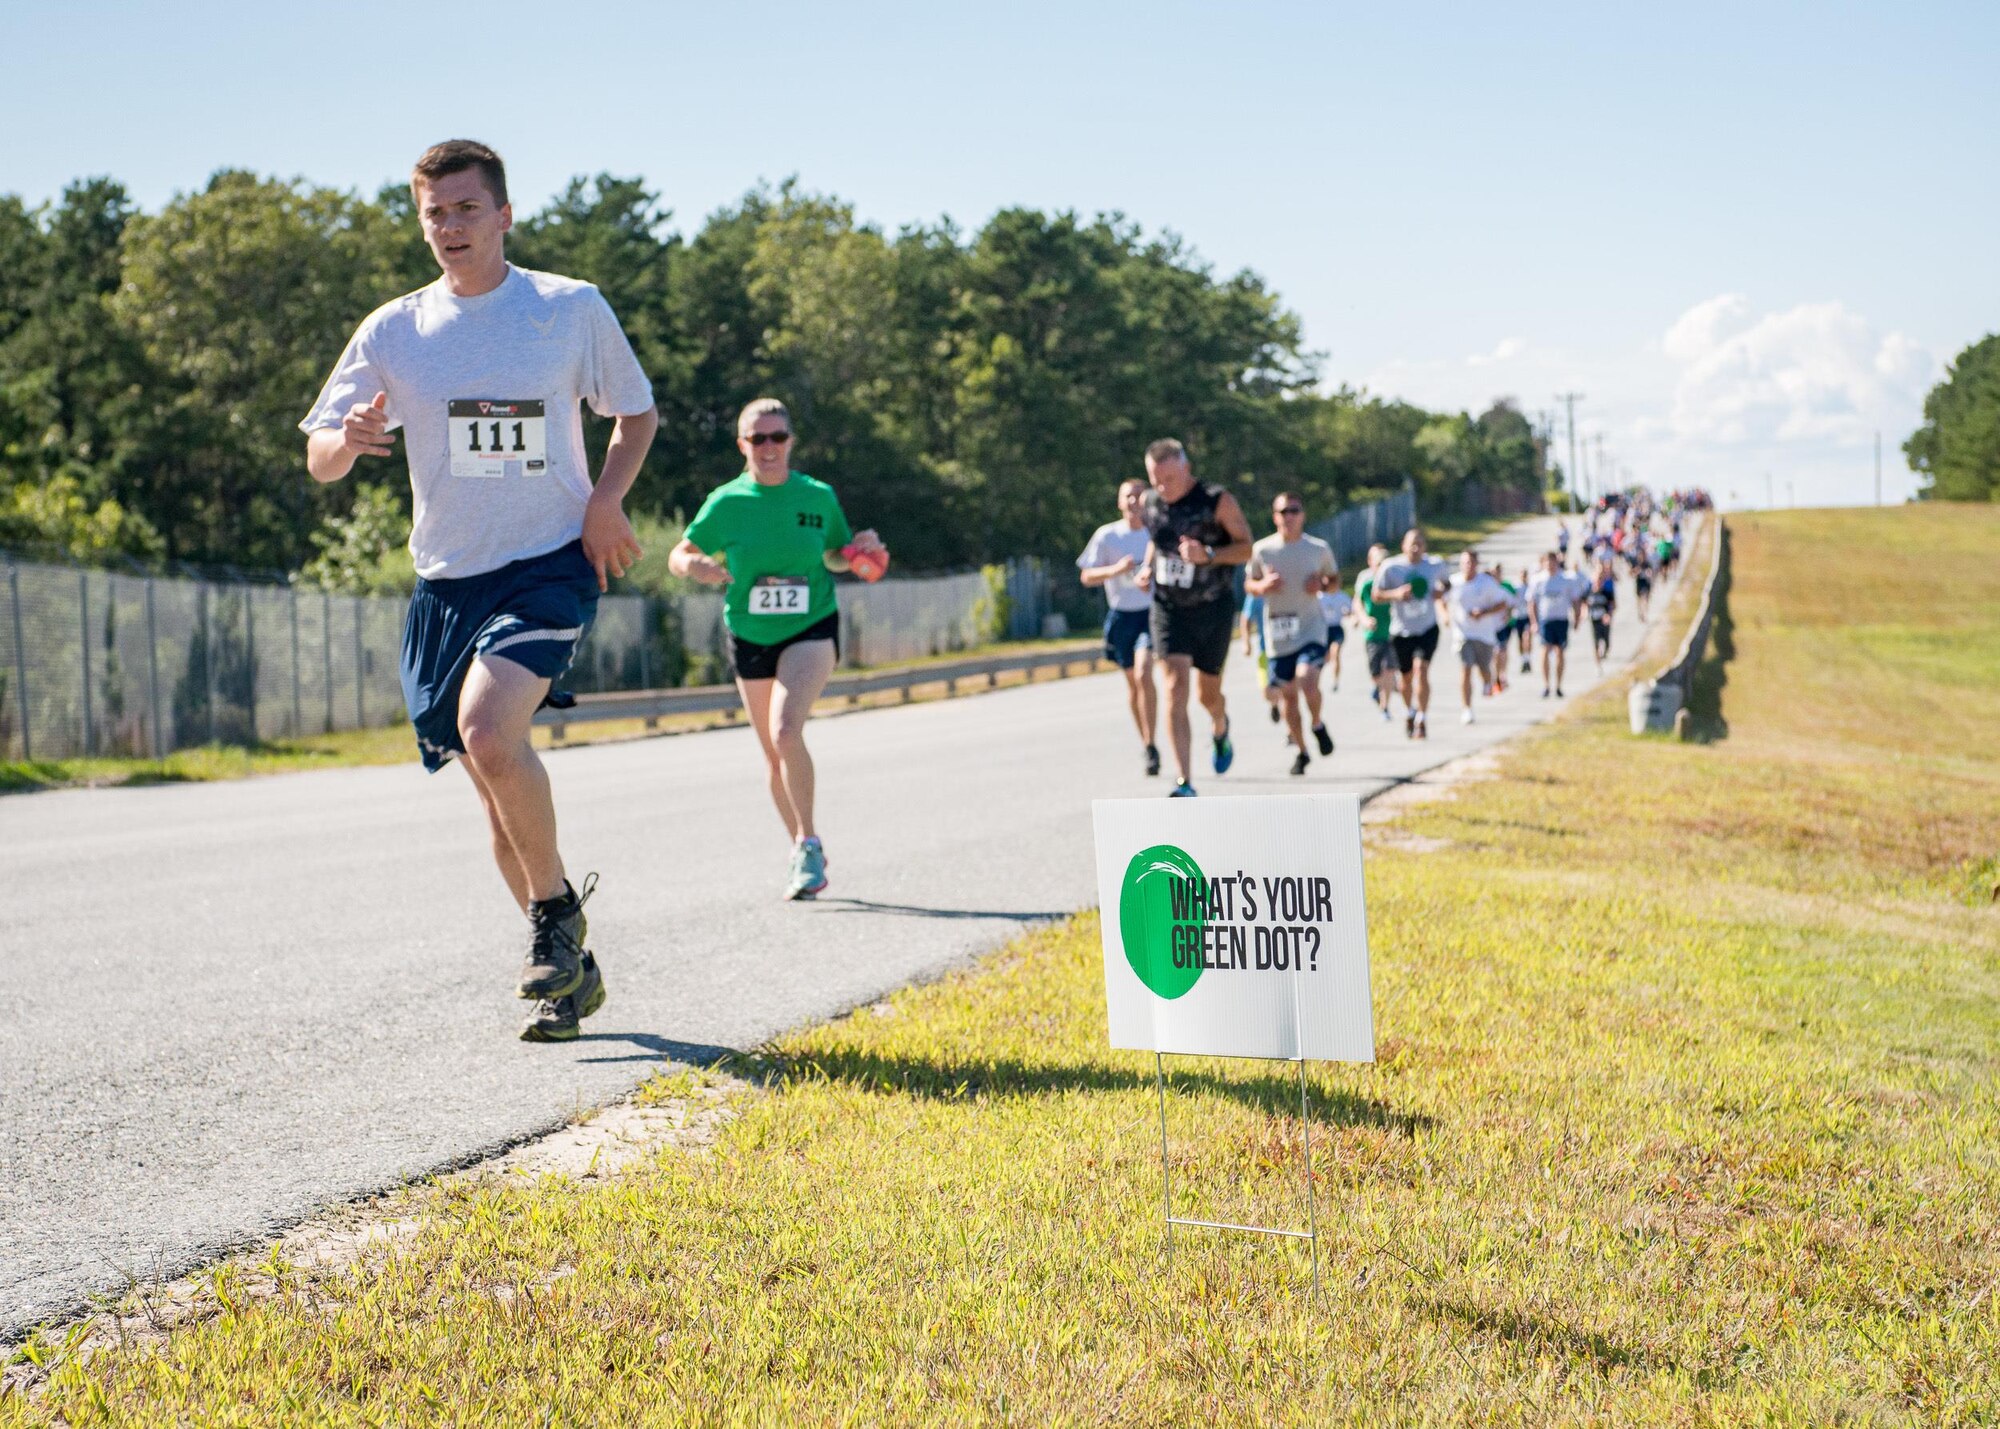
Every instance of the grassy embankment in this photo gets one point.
(1685, 1113)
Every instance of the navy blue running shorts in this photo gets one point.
(1285, 668)
(1124, 632)
(1556, 633)
(533, 612)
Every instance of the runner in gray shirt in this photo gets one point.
(1288, 570)
(484, 371)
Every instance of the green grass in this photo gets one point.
(342, 749)
(1450, 534)
(1685, 1113)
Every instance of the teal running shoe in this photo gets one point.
(1225, 753)
(808, 870)
(1182, 790)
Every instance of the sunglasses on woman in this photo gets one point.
(758, 439)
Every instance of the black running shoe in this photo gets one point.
(1299, 764)
(1324, 739)
(555, 1019)
(1152, 760)
(554, 965)
(1410, 725)
(1275, 716)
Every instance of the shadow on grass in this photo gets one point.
(1274, 1093)
(1533, 1331)
(1704, 702)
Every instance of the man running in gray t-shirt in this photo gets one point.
(484, 371)
(1289, 569)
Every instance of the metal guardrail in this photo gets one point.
(652, 706)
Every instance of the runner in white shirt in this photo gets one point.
(485, 371)
(1335, 605)
(1412, 585)
(1554, 596)
(1477, 607)
(1116, 550)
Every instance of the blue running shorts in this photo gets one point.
(1285, 668)
(1555, 633)
(1124, 632)
(533, 612)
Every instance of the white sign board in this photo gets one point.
(1235, 927)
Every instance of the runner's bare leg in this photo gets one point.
(496, 713)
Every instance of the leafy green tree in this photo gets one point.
(1957, 449)
(365, 550)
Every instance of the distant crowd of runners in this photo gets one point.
(485, 371)
(1164, 568)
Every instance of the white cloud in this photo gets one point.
(1508, 349)
(1814, 373)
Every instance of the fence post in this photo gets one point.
(83, 605)
(298, 700)
(645, 642)
(250, 654)
(207, 655)
(20, 659)
(153, 673)
(326, 649)
(360, 669)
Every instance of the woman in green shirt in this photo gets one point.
(775, 537)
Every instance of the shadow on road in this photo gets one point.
(660, 1049)
(911, 910)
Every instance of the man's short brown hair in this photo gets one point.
(1166, 449)
(455, 156)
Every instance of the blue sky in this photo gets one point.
(1751, 234)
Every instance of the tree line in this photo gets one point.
(973, 396)
(1957, 449)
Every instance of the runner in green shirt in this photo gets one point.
(775, 537)
(1372, 616)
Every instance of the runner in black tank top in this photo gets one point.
(1198, 534)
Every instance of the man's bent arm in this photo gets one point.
(327, 456)
(630, 438)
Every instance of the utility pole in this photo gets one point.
(1878, 468)
(1603, 471)
(1569, 401)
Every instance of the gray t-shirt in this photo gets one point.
(1415, 614)
(1292, 618)
(486, 390)
(1107, 544)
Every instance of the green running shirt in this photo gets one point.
(1377, 610)
(772, 539)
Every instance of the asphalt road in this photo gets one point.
(232, 1004)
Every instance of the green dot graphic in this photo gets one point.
(1146, 918)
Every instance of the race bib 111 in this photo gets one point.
(498, 439)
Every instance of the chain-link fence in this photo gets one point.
(99, 662)
(1353, 531)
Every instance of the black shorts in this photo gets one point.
(1202, 633)
(1381, 659)
(1600, 630)
(750, 661)
(1412, 648)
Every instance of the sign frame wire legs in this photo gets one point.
(1310, 1235)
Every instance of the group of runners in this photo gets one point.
(1165, 577)
(485, 371)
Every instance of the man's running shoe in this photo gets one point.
(1152, 760)
(1410, 725)
(1275, 716)
(1423, 727)
(1224, 753)
(554, 965)
(555, 1019)
(1299, 764)
(808, 870)
(1324, 740)
(1374, 693)
(1527, 666)
(1465, 716)
(1388, 716)
(1559, 692)
(1182, 790)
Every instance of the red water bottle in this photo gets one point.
(868, 564)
